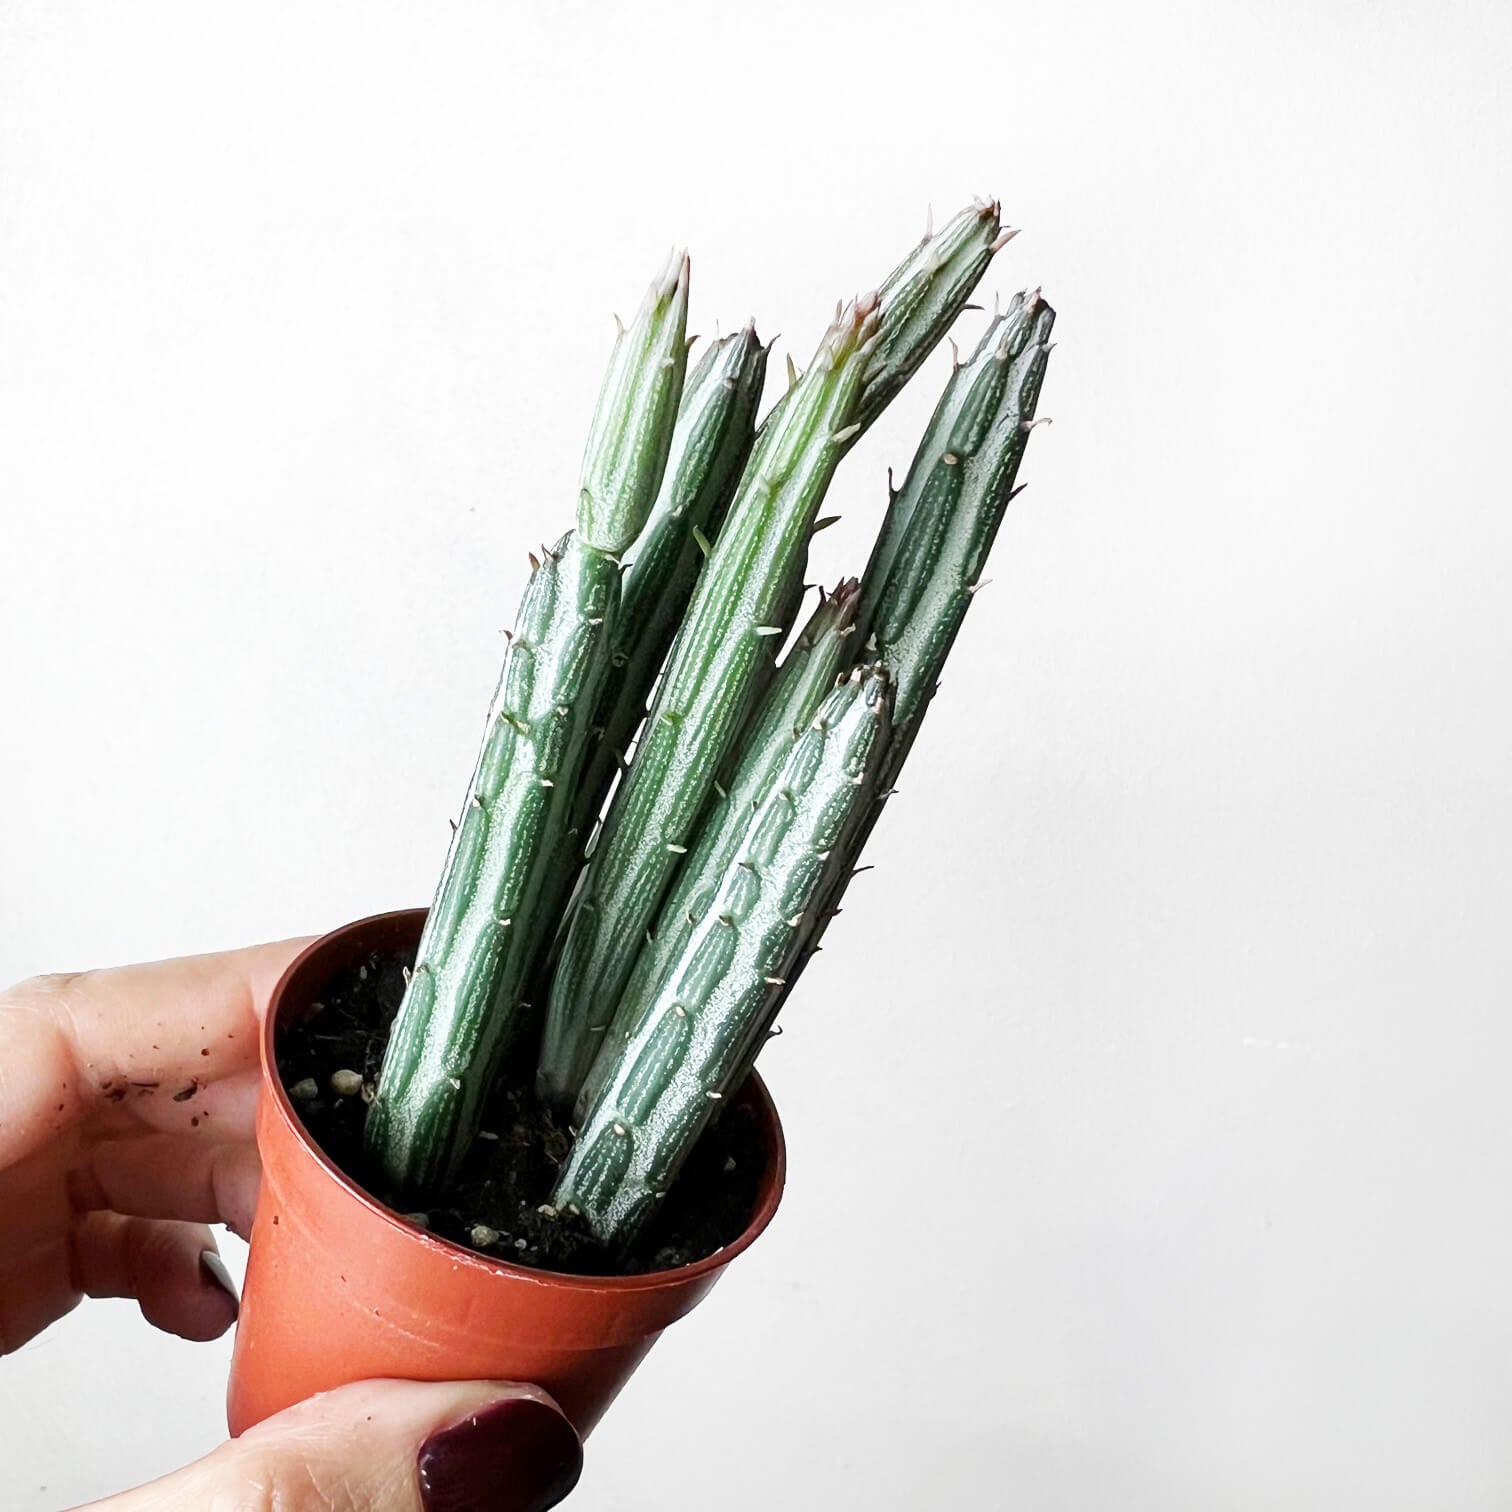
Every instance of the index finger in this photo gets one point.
(70, 1043)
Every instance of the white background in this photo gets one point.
(1149, 1111)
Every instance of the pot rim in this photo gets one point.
(768, 1195)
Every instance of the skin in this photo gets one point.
(109, 1178)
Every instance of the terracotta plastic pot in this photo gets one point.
(340, 1289)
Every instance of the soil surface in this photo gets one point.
(510, 1171)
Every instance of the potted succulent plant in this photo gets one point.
(516, 1135)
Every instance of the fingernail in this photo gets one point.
(518, 1455)
(213, 1270)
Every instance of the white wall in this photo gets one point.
(1148, 1114)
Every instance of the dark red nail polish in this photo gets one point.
(214, 1273)
(518, 1455)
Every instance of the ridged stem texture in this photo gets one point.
(975, 388)
(632, 426)
(459, 1008)
(919, 301)
(486, 925)
(922, 296)
(805, 679)
(941, 525)
(719, 997)
(716, 425)
(702, 699)
(952, 519)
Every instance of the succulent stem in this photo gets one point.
(717, 999)
(922, 296)
(703, 696)
(950, 507)
(461, 1007)
(716, 424)
(802, 683)
(637, 407)
(940, 527)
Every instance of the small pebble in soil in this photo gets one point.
(346, 1083)
(482, 1236)
(420, 1220)
(304, 1091)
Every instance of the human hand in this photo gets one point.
(126, 1127)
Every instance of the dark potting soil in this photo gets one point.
(512, 1167)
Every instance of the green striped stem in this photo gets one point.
(920, 300)
(716, 424)
(954, 519)
(718, 998)
(702, 699)
(804, 680)
(631, 434)
(461, 1007)
(956, 494)
(922, 296)
(458, 1014)
(970, 397)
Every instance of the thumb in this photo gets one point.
(385, 1446)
